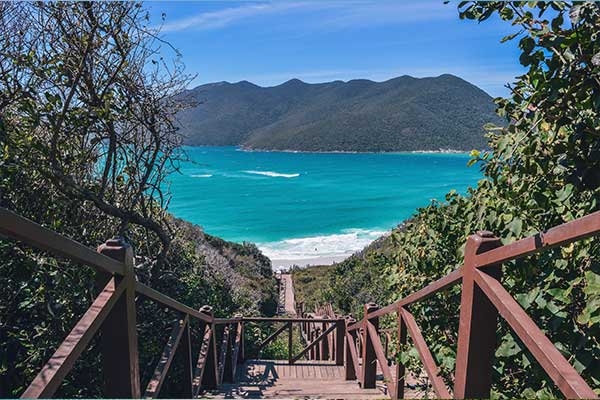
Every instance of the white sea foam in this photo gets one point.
(272, 174)
(344, 244)
(201, 176)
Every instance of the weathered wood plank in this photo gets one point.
(318, 379)
(162, 368)
(51, 376)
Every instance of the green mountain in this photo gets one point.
(401, 114)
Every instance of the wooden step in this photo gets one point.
(309, 379)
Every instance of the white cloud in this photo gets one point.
(335, 15)
(228, 16)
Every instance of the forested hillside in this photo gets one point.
(541, 171)
(401, 114)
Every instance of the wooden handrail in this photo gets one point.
(353, 355)
(570, 383)
(381, 358)
(560, 370)
(24, 230)
(162, 368)
(50, 377)
(225, 321)
(320, 338)
(272, 319)
(201, 364)
(425, 355)
(165, 300)
(560, 235)
(272, 337)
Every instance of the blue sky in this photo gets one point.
(270, 42)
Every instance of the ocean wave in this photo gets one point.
(272, 174)
(346, 243)
(201, 175)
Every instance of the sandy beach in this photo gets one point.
(285, 264)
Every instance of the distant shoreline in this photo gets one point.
(250, 150)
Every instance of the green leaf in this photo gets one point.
(525, 299)
(559, 295)
(592, 284)
(508, 348)
(527, 44)
(516, 226)
(564, 193)
(509, 37)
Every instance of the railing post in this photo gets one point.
(313, 350)
(369, 367)
(118, 335)
(186, 349)
(340, 339)
(325, 343)
(350, 368)
(400, 369)
(241, 355)
(229, 368)
(477, 326)
(319, 346)
(332, 342)
(210, 374)
(359, 341)
(306, 334)
(290, 343)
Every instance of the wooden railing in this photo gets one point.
(326, 343)
(356, 345)
(483, 299)
(113, 315)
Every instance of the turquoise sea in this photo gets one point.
(305, 205)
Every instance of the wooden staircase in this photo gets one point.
(343, 358)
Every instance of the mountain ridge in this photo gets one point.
(399, 114)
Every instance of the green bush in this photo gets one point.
(542, 170)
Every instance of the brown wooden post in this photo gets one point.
(325, 343)
(386, 349)
(186, 348)
(185, 390)
(210, 374)
(241, 355)
(306, 335)
(229, 368)
(303, 315)
(477, 326)
(369, 367)
(290, 343)
(332, 337)
(350, 368)
(340, 339)
(400, 368)
(319, 346)
(118, 335)
(313, 350)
